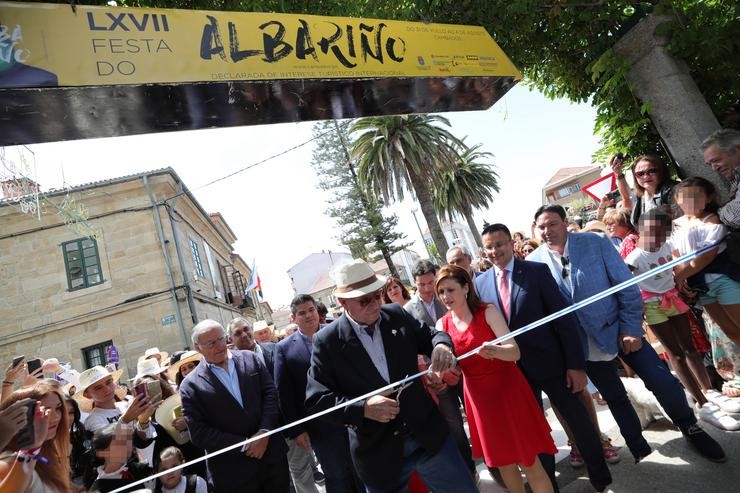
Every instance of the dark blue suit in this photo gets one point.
(329, 440)
(547, 352)
(216, 420)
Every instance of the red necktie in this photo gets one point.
(503, 292)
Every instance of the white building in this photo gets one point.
(456, 234)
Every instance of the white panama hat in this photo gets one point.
(154, 351)
(356, 279)
(147, 366)
(262, 324)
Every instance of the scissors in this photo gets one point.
(405, 383)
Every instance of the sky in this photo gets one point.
(277, 210)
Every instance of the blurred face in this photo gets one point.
(263, 335)
(120, 447)
(212, 345)
(647, 176)
(171, 479)
(425, 286)
(186, 368)
(395, 293)
(615, 229)
(527, 249)
(102, 391)
(692, 200)
(552, 228)
(52, 402)
(243, 338)
(306, 317)
(365, 309)
(457, 257)
(499, 248)
(721, 161)
(452, 294)
(653, 235)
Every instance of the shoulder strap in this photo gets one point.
(192, 483)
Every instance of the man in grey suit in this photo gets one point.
(425, 307)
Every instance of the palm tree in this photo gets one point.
(466, 186)
(408, 152)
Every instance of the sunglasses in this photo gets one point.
(566, 271)
(364, 301)
(649, 171)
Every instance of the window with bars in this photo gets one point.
(196, 258)
(82, 263)
(96, 355)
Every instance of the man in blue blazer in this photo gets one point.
(228, 398)
(584, 264)
(552, 357)
(328, 440)
(365, 349)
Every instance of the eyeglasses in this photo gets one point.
(211, 344)
(649, 171)
(566, 270)
(364, 301)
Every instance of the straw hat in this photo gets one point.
(356, 279)
(262, 324)
(187, 357)
(595, 226)
(88, 378)
(154, 351)
(147, 366)
(164, 416)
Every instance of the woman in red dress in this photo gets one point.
(507, 427)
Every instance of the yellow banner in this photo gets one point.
(50, 45)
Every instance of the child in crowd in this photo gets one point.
(175, 482)
(712, 274)
(667, 314)
(112, 446)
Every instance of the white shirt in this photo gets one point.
(644, 261)
(100, 418)
(430, 308)
(373, 346)
(698, 234)
(200, 486)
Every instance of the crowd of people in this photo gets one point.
(63, 431)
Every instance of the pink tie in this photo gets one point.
(503, 292)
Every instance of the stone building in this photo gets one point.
(133, 262)
(565, 185)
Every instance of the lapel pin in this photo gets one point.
(394, 331)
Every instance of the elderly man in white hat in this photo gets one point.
(367, 348)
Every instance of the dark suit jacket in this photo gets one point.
(216, 419)
(268, 351)
(416, 308)
(550, 349)
(292, 361)
(341, 370)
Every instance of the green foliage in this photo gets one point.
(364, 228)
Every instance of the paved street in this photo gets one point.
(672, 467)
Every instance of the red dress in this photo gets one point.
(506, 424)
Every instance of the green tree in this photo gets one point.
(466, 186)
(363, 227)
(407, 152)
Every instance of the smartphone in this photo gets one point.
(25, 437)
(140, 389)
(154, 391)
(17, 360)
(613, 195)
(177, 412)
(34, 364)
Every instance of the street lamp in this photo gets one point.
(426, 247)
